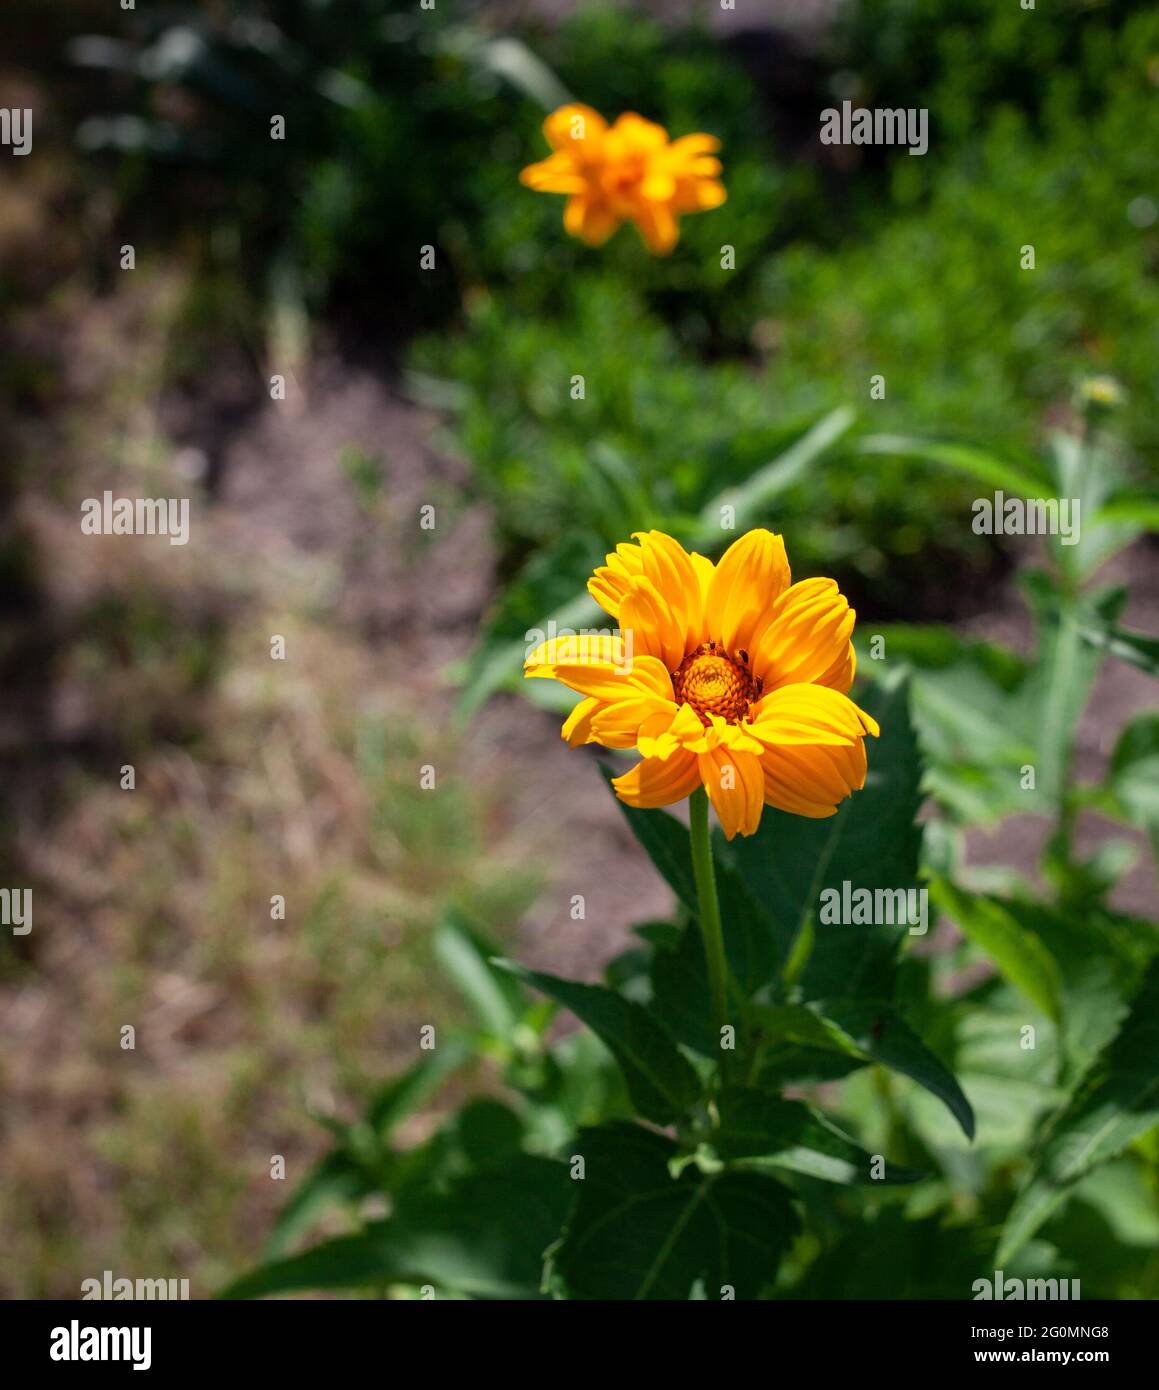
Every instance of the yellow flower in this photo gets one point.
(629, 171)
(727, 676)
(1101, 390)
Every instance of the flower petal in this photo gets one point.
(735, 783)
(616, 676)
(576, 649)
(575, 127)
(577, 727)
(648, 623)
(675, 573)
(705, 569)
(806, 638)
(660, 737)
(669, 566)
(702, 193)
(659, 782)
(810, 781)
(617, 725)
(689, 147)
(590, 219)
(749, 578)
(633, 134)
(658, 185)
(809, 714)
(557, 173)
(658, 226)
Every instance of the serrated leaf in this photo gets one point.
(872, 842)
(485, 1236)
(1102, 957)
(804, 1026)
(660, 1079)
(637, 1232)
(885, 1038)
(1019, 955)
(1132, 780)
(758, 1132)
(751, 947)
(890, 1256)
(859, 1031)
(1117, 1101)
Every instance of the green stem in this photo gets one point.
(710, 929)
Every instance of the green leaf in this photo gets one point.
(1135, 648)
(1117, 1101)
(1087, 476)
(402, 1095)
(637, 1232)
(751, 948)
(936, 648)
(335, 1180)
(1138, 509)
(680, 995)
(347, 1262)
(804, 1026)
(357, 1168)
(466, 956)
(1102, 957)
(751, 500)
(1133, 773)
(1060, 681)
(971, 722)
(888, 1255)
(498, 661)
(802, 949)
(1019, 955)
(872, 842)
(975, 463)
(511, 59)
(485, 1237)
(862, 1030)
(660, 1079)
(1130, 789)
(758, 1132)
(885, 1038)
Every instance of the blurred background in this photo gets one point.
(450, 388)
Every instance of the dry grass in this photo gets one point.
(253, 777)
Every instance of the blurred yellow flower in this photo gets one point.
(1101, 390)
(727, 676)
(629, 171)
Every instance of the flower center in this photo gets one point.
(715, 683)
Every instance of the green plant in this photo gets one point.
(806, 1106)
